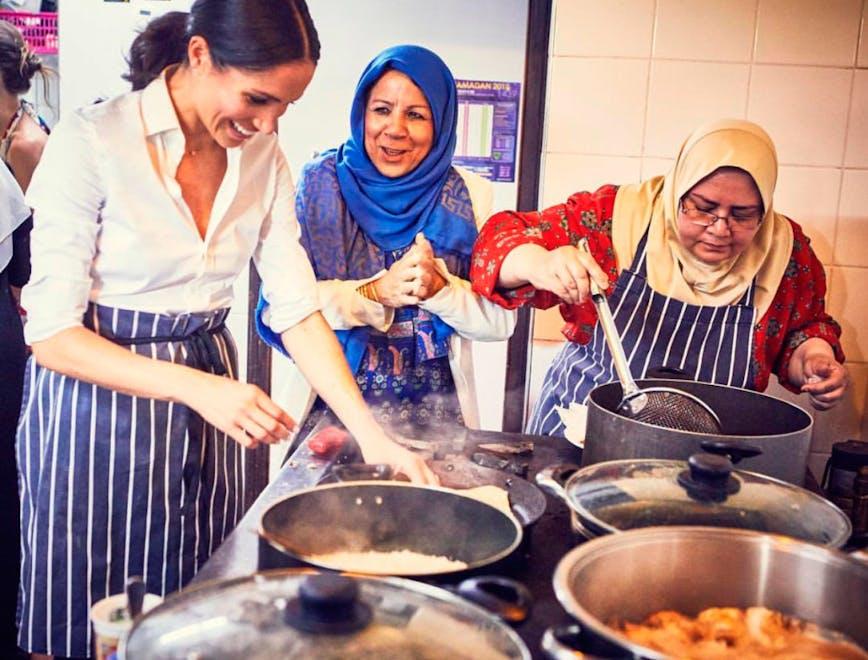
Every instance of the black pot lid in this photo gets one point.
(304, 614)
(628, 494)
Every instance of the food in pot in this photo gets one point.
(396, 562)
(731, 632)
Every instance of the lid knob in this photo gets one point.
(328, 604)
(708, 478)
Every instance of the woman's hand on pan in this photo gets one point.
(379, 448)
(241, 410)
(566, 272)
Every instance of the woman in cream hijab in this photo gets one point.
(705, 277)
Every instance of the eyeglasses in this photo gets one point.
(706, 219)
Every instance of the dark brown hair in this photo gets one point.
(18, 64)
(244, 34)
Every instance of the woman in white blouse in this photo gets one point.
(147, 207)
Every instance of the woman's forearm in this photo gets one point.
(472, 316)
(315, 349)
(82, 354)
(343, 307)
(518, 264)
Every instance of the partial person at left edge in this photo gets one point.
(24, 131)
(15, 224)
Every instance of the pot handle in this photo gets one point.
(860, 555)
(553, 479)
(667, 373)
(508, 599)
(555, 649)
(735, 450)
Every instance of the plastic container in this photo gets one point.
(111, 622)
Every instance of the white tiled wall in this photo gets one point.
(629, 79)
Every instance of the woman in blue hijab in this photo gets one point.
(389, 225)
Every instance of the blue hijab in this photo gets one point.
(390, 211)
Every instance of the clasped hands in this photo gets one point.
(412, 278)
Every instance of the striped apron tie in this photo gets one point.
(115, 485)
(709, 344)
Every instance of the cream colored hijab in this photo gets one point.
(653, 205)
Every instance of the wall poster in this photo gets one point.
(487, 128)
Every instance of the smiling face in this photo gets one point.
(725, 192)
(234, 104)
(399, 126)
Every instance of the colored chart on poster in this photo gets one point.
(487, 127)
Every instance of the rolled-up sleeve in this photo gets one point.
(66, 194)
(288, 281)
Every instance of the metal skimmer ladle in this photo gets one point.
(663, 406)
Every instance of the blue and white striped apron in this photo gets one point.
(710, 344)
(115, 485)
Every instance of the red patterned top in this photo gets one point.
(796, 313)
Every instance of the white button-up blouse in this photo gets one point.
(111, 226)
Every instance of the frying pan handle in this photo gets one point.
(735, 450)
(503, 597)
(553, 479)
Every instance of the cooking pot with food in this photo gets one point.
(705, 490)
(780, 429)
(391, 528)
(301, 614)
(628, 577)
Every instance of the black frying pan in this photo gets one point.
(390, 516)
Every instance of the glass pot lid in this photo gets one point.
(305, 614)
(705, 490)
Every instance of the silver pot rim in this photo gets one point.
(600, 546)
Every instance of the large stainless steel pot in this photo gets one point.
(780, 429)
(629, 576)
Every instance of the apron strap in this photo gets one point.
(639, 262)
(204, 352)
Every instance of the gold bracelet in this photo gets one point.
(369, 291)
